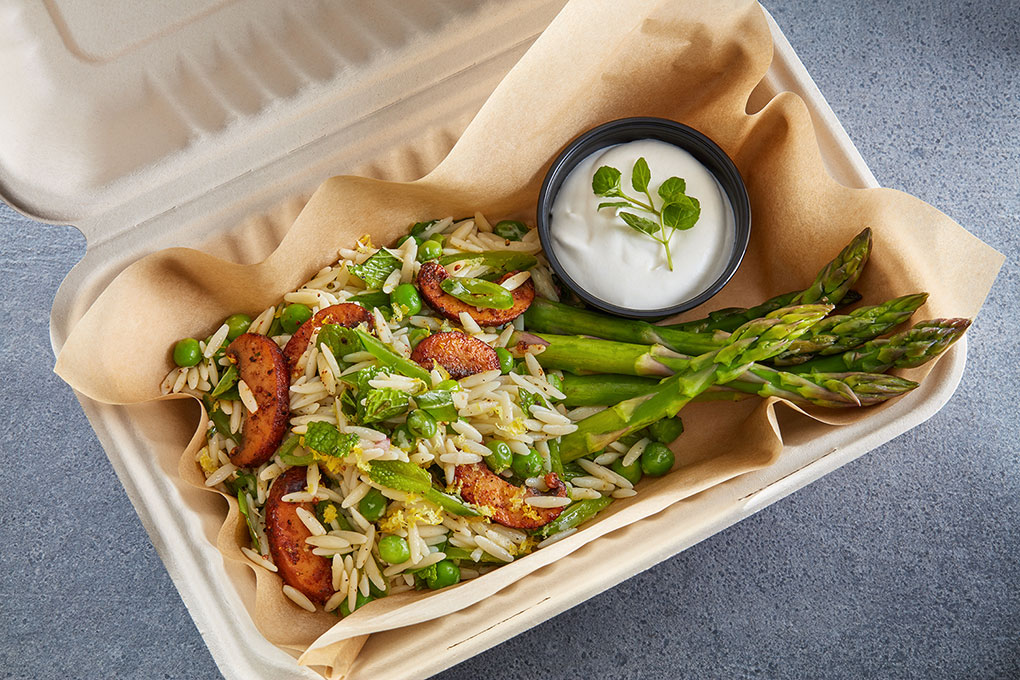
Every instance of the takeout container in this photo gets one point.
(207, 128)
(687, 138)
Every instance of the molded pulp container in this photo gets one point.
(206, 123)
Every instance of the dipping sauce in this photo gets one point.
(624, 267)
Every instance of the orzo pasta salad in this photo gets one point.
(385, 427)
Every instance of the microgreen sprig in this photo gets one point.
(678, 210)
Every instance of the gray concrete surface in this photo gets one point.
(903, 564)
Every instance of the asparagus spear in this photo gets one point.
(755, 341)
(839, 333)
(831, 390)
(555, 317)
(830, 335)
(908, 349)
(831, 284)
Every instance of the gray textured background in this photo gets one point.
(903, 564)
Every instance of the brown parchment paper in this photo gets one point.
(691, 61)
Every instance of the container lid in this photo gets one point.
(130, 111)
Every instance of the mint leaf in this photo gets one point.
(606, 181)
(672, 190)
(640, 175)
(383, 403)
(340, 340)
(642, 224)
(438, 404)
(325, 439)
(375, 269)
(614, 204)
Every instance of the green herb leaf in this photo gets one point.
(242, 506)
(340, 340)
(438, 404)
(606, 181)
(227, 381)
(672, 189)
(372, 300)
(325, 439)
(640, 175)
(478, 293)
(681, 215)
(383, 403)
(638, 223)
(409, 478)
(374, 270)
(614, 204)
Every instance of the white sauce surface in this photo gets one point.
(622, 266)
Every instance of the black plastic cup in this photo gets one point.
(625, 130)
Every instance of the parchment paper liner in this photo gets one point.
(693, 62)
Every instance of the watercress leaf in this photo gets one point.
(681, 215)
(673, 189)
(375, 269)
(638, 223)
(606, 181)
(640, 175)
(372, 300)
(384, 403)
(613, 204)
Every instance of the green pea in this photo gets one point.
(187, 352)
(501, 457)
(407, 297)
(657, 459)
(236, 325)
(373, 505)
(511, 230)
(450, 385)
(666, 430)
(394, 549)
(421, 424)
(632, 472)
(359, 602)
(446, 574)
(506, 360)
(430, 250)
(530, 465)
(293, 316)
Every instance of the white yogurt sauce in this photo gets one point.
(626, 268)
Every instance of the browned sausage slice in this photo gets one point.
(482, 486)
(432, 274)
(346, 314)
(300, 568)
(261, 366)
(461, 355)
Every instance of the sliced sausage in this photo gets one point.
(461, 355)
(261, 366)
(432, 274)
(483, 487)
(300, 568)
(346, 314)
